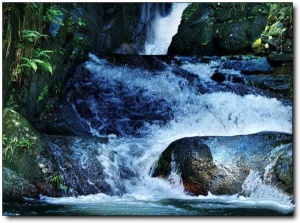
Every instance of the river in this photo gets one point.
(141, 111)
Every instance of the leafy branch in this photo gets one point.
(41, 59)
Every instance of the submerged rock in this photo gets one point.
(108, 106)
(218, 76)
(192, 159)
(220, 165)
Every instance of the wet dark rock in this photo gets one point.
(250, 66)
(218, 76)
(71, 167)
(285, 69)
(194, 36)
(277, 59)
(16, 188)
(221, 164)
(150, 63)
(236, 79)
(64, 120)
(284, 169)
(279, 84)
(192, 159)
(126, 49)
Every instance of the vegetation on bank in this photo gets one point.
(39, 46)
(278, 34)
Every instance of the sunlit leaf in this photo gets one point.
(33, 65)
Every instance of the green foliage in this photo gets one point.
(11, 103)
(189, 11)
(39, 59)
(32, 36)
(57, 182)
(81, 23)
(54, 14)
(35, 57)
(4, 140)
(258, 46)
(10, 145)
(26, 59)
(280, 24)
(18, 135)
(280, 12)
(33, 63)
(43, 93)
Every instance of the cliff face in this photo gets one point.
(219, 28)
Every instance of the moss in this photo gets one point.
(257, 46)
(18, 134)
(189, 11)
(162, 167)
(21, 146)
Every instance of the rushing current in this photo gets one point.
(219, 113)
(164, 29)
(166, 107)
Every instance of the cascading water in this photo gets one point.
(164, 29)
(142, 111)
(180, 111)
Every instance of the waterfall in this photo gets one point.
(142, 112)
(164, 29)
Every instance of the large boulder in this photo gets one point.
(193, 160)
(219, 28)
(55, 166)
(22, 145)
(221, 165)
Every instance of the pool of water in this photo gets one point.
(103, 205)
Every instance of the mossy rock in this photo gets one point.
(15, 188)
(21, 146)
(284, 168)
(257, 46)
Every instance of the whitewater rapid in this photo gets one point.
(193, 114)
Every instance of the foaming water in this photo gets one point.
(215, 114)
(193, 114)
(259, 191)
(206, 70)
(164, 29)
